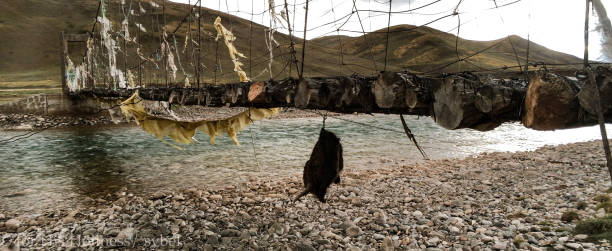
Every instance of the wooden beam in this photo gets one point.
(454, 101)
(551, 102)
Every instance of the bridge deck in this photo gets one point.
(454, 101)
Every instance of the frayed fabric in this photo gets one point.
(182, 132)
(229, 38)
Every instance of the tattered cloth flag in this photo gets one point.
(324, 165)
(183, 132)
(229, 38)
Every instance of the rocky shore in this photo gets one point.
(37, 122)
(497, 201)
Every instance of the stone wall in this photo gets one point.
(51, 104)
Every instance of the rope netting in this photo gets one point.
(140, 43)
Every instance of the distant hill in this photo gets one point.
(30, 46)
(425, 49)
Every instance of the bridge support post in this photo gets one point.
(64, 40)
(63, 55)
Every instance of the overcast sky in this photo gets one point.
(556, 24)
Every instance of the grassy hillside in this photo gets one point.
(31, 48)
(31, 37)
(424, 49)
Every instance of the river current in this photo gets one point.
(66, 167)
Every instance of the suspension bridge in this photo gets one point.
(158, 60)
(116, 65)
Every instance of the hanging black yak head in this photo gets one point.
(324, 165)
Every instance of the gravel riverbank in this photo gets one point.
(39, 122)
(500, 201)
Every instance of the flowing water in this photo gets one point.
(67, 167)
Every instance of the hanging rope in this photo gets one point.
(455, 12)
(592, 83)
(199, 41)
(163, 35)
(93, 26)
(364, 37)
(253, 140)
(528, 45)
(457, 42)
(305, 39)
(324, 119)
(388, 27)
(464, 58)
(291, 45)
(518, 61)
(412, 138)
(251, 42)
(406, 129)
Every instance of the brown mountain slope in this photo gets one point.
(29, 45)
(30, 41)
(425, 49)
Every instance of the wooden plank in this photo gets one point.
(551, 102)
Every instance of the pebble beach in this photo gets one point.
(494, 201)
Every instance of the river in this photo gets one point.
(65, 168)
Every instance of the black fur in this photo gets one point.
(324, 165)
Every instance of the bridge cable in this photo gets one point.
(388, 27)
(251, 43)
(524, 95)
(198, 64)
(93, 27)
(253, 140)
(166, 64)
(458, 32)
(375, 127)
(304, 41)
(364, 33)
(291, 45)
(217, 66)
(399, 30)
(464, 58)
(518, 61)
(528, 45)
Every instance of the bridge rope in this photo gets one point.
(304, 41)
(364, 36)
(388, 27)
